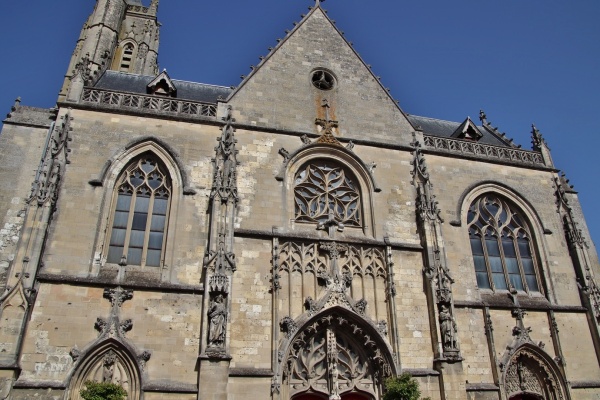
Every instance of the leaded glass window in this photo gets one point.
(501, 245)
(325, 191)
(140, 217)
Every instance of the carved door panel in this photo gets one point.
(331, 364)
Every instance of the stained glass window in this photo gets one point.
(140, 217)
(324, 191)
(501, 245)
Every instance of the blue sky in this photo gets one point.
(523, 62)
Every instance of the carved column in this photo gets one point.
(580, 255)
(219, 266)
(20, 292)
(438, 279)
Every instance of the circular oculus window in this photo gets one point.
(323, 80)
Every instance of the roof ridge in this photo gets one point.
(174, 80)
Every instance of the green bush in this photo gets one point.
(403, 387)
(103, 391)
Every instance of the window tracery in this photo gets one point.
(325, 191)
(501, 244)
(141, 214)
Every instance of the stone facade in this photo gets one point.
(297, 237)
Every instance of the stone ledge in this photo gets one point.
(250, 372)
(39, 385)
(103, 282)
(482, 387)
(276, 233)
(501, 303)
(420, 372)
(170, 387)
(585, 384)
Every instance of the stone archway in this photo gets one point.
(531, 375)
(526, 396)
(333, 357)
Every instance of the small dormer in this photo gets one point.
(467, 131)
(162, 86)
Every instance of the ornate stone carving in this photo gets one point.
(436, 269)
(48, 178)
(221, 260)
(289, 326)
(448, 330)
(101, 98)
(217, 316)
(333, 356)
(327, 126)
(143, 358)
(528, 372)
(537, 140)
(75, 353)
(118, 296)
(484, 151)
(336, 267)
(225, 173)
(113, 327)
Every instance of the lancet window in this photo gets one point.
(325, 191)
(141, 212)
(502, 246)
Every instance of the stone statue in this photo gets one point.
(448, 329)
(217, 315)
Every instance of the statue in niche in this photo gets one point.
(109, 367)
(448, 329)
(217, 315)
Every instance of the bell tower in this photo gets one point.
(121, 35)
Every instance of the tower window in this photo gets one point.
(140, 217)
(126, 58)
(501, 246)
(324, 191)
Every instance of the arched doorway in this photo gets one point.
(531, 374)
(336, 356)
(349, 396)
(526, 396)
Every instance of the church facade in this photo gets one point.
(298, 236)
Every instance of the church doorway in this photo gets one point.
(349, 396)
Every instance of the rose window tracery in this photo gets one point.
(324, 192)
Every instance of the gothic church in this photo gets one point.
(297, 237)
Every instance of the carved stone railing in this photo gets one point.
(484, 150)
(147, 103)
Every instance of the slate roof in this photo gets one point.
(133, 83)
(438, 127)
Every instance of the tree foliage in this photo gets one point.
(103, 391)
(403, 387)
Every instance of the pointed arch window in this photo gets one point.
(325, 191)
(141, 214)
(502, 247)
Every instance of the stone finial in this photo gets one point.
(483, 117)
(536, 139)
